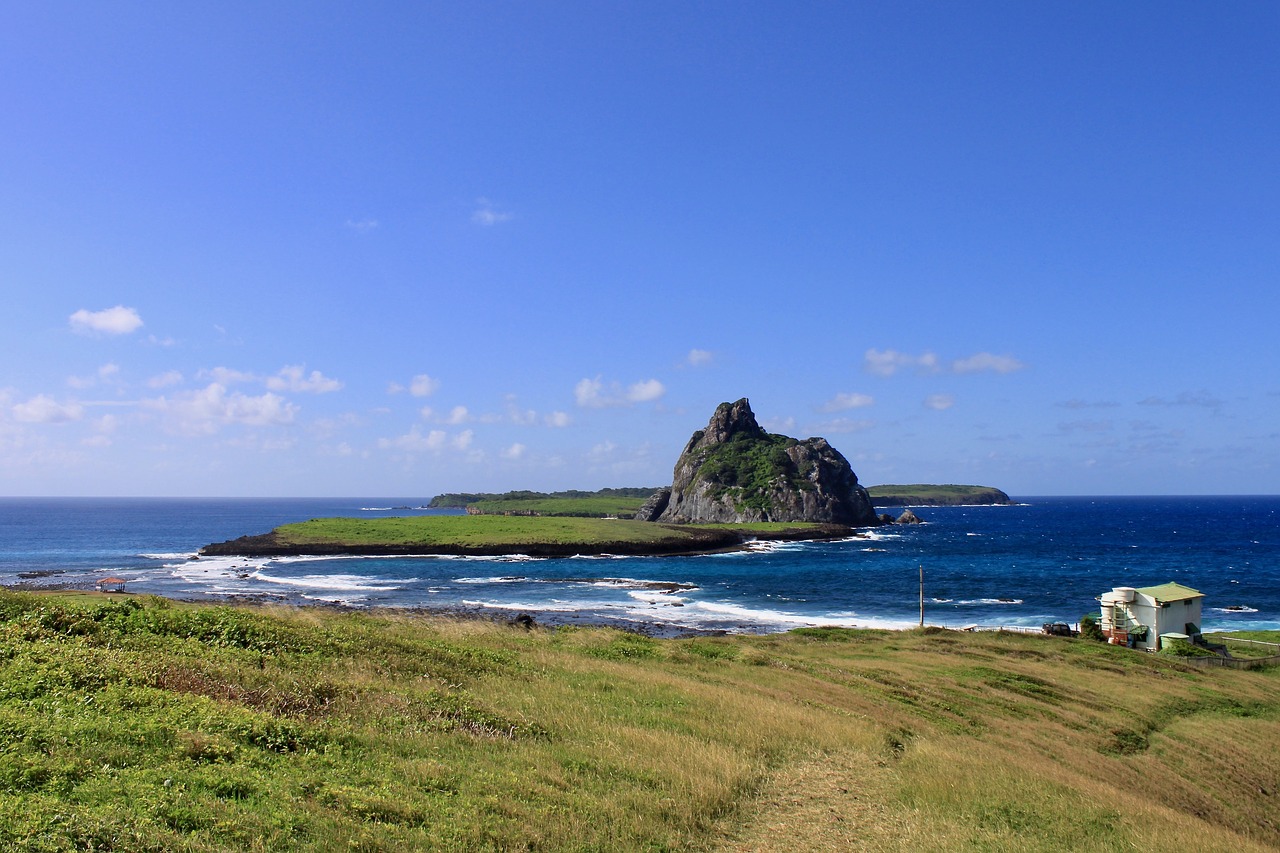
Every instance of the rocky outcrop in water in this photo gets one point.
(735, 471)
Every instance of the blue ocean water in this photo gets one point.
(1046, 559)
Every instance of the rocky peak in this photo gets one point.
(736, 471)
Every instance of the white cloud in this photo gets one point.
(644, 392)
(291, 378)
(487, 215)
(939, 402)
(518, 415)
(433, 441)
(106, 424)
(105, 374)
(602, 452)
(515, 451)
(458, 415)
(558, 419)
(205, 411)
(983, 362)
(43, 409)
(362, 225)
(166, 379)
(587, 393)
(843, 425)
(782, 426)
(843, 402)
(423, 385)
(888, 362)
(592, 393)
(1202, 399)
(110, 321)
(699, 357)
(227, 376)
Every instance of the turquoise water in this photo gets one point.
(1046, 559)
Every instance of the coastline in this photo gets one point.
(527, 618)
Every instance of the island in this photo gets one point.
(937, 495)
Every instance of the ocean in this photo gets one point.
(1045, 559)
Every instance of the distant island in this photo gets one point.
(935, 495)
(574, 503)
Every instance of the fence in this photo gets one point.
(1240, 663)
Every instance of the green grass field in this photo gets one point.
(498, 534)
(141, 724)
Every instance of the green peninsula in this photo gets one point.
(495, 535)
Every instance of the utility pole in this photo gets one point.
(922, 595)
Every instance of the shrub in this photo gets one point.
(1090, 629)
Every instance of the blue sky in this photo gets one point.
(405, 248)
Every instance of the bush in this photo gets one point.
(1090, 629)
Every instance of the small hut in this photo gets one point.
(1138, 617)
(111, 585)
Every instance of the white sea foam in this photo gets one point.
(184, 555)
(1240, 608)
(352, 583)
(971, 601)
(553, 607)
(208, 568)
(657, 598)
(507, 579)
(782, 619)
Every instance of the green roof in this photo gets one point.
(1170, 592)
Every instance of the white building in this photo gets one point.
(1138, 617)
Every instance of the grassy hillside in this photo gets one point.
(146, 725)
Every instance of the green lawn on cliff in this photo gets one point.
(145, 725)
